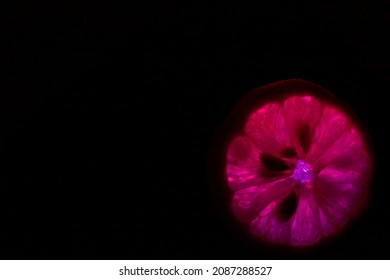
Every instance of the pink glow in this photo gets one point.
(303, 172)
(297, 165)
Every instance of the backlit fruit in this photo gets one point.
(295, 163)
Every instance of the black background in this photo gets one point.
(107, 110)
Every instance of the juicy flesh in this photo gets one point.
(327, 166)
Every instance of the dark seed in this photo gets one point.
(288, 152)
(273, 163)
(287, 207)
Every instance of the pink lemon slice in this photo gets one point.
(295, 162)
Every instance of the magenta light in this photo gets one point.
(303, 172)
(295, 162)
